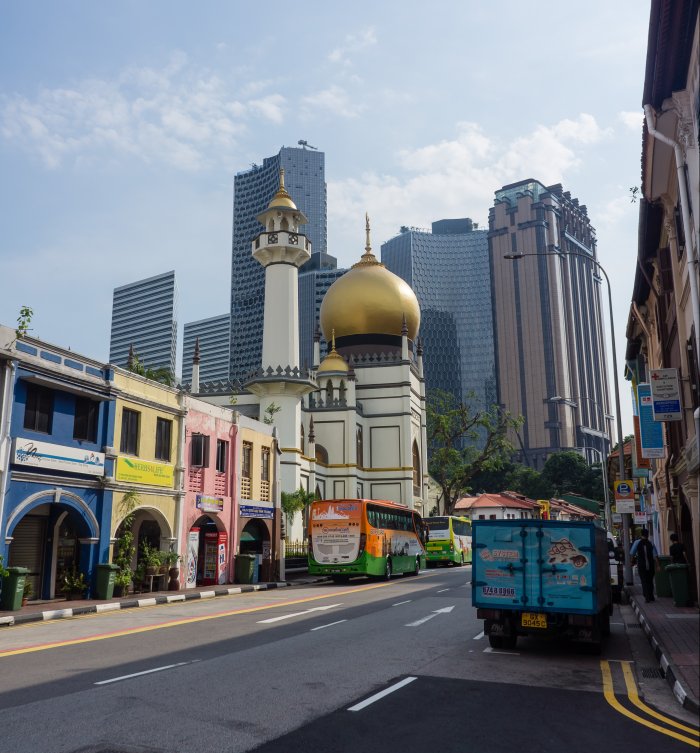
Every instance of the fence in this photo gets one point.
(296, 548)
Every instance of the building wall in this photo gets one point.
(144, 315)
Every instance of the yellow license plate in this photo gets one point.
(533, 620)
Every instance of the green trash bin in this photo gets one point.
(661, 581)
(13, 588)
(244, 568)
(678, 575)
(106, 573)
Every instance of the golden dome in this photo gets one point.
(369, 299)
(333, 361)
(282, 198)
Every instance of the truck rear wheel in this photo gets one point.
(496, 641)
(510, 641)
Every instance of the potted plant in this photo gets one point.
(73, 584)
(28, 592)
(173, 560)
(124, 548)
(151, 558)
(122, 581)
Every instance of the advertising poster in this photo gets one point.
(209, 504)
(192, 550)
(223, 546)
(137, 471)
(335, 531)
(56, 457)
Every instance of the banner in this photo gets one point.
(57, 457)
(209, 504)
(136, 471)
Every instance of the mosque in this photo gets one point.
(354, 425)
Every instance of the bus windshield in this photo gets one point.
(439, 528)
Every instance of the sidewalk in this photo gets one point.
(674, 634)
(55, 609)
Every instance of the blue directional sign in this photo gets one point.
(651, 432)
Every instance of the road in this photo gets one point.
(371, 666)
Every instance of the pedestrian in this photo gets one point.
(647, 559)
(677, 551)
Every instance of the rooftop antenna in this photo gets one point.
(305, 144)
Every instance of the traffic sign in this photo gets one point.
(665, 395)
(624, 496)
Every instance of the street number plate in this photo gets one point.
(533, 620)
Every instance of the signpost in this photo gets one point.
(666, 395)
(652, 435)
(624, 496)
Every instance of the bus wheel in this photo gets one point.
(461, 561)
(387, 569)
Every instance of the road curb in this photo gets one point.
(680, 691)
(146, 601)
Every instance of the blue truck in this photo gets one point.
(541, 577)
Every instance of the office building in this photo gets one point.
(144, 316)
(214, 336)
(448, 269)
(304, 175)
(549, 330)
(313, 285)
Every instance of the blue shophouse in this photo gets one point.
(56, 428)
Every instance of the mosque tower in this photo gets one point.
(280, 383)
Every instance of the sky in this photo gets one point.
(122, 125)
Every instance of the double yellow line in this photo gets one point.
(633, 696)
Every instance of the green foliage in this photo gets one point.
(4, 572)
(151, 556)
(23, 321)
(124, 547)
(73, 582)
(294, 502)
(162, 375)
(464, 442)
(634, 194)
(270, 412)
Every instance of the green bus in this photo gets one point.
(449, 540)
(364, 537)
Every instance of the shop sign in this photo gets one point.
(209, 504)
(666, 395)
(136, 471)
(651, 431)
(223, 543)
(192, 552)
(56, 457)
(250, 509)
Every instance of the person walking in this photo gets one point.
(647, 559)
(677, 551)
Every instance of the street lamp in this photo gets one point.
(621, 474)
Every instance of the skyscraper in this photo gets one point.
(144, 316)
(213, 334)
(253, 189)
(550, 348)
(313, 285)
(448, 270)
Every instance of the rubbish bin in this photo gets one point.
(245, 564)
(13, 588)
(678, 575)
(661, 581)
(105, 580)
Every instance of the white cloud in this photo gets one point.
(177, 115)
(353, 43)
(454, 178)
(335, 100)
(632, 120)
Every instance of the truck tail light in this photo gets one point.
(363, 543)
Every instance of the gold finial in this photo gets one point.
(333, 340)
(282, 178)
(368, 258)
(282, 198)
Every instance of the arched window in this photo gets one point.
(341, 392)
(301, 439)
(285, 224)
(271, 225)
(329, 392)
(416, 469)
(321, 454)
(359, 448)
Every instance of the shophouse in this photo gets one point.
(149, 462)
(209, 517)
(56, 423)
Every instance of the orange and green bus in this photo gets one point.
(364, 537)
(449, 540)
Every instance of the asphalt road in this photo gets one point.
(370, 666)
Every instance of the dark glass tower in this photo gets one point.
(253, 190)
(448, 270)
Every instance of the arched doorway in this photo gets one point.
(207, 552)
(255, 538)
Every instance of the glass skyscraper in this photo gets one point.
(448, 270)
(305, 181)
(213, 334)
(143, 316)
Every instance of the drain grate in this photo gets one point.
(650, 672)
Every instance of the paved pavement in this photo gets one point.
(672, 631)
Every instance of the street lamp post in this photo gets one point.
(621, 474)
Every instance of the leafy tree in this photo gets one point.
(528, 481)
(464, 442)
(294, 502)
(162, 375)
